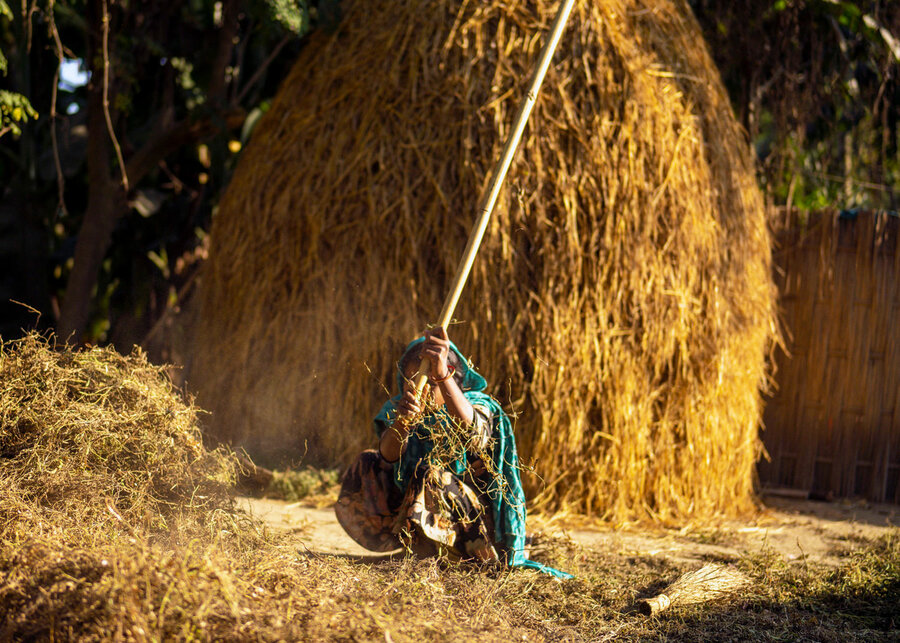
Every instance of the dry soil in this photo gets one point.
(795, 529)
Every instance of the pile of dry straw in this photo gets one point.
(621, 305)
(115, 522)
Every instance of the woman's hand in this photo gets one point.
(408, 405)
(393, 439)
(437, 349)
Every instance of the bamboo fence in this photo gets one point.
(833, 426)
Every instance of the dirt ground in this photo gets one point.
(795, 529)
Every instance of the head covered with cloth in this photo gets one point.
(445, 477)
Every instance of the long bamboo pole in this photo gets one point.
(490, 198)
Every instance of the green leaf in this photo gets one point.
(14, 109)
(160, 260)
(850, 10)
(6, 13)
(291, 14)
(251, 121)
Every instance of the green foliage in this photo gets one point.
(296, 485)
(300, 16)
(201, 64)
(816, 85)
(14, 109)
(4, 13)
(292, 14)
(850, 16)
(194, 95)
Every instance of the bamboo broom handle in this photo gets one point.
(487, 205)
(655, 605)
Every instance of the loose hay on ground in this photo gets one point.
(316, 486)
(90, 435)
(101, 538)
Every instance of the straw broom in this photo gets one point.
(710, 582)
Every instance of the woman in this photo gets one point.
(444, 479)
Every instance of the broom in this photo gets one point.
(709, 583)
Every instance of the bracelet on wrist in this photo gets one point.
(386, 461)
(450, 371)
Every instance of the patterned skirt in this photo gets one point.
(438, 513)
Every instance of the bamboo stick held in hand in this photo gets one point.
(490, 198)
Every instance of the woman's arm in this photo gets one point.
(457, 405)
(436, 350)
(391, 445)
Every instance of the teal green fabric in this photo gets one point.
(505, 491)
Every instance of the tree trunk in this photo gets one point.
(107, 200)
(106, 203)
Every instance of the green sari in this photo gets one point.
(505, 490)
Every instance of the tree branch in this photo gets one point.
(109, 125)
(107, 203)
(217, 84)
(60, 178)
(175, 137)
(263, 67)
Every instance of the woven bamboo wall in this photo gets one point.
(833, 426)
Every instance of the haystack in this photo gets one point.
(621, 304)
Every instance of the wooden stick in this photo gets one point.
(487, 205)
